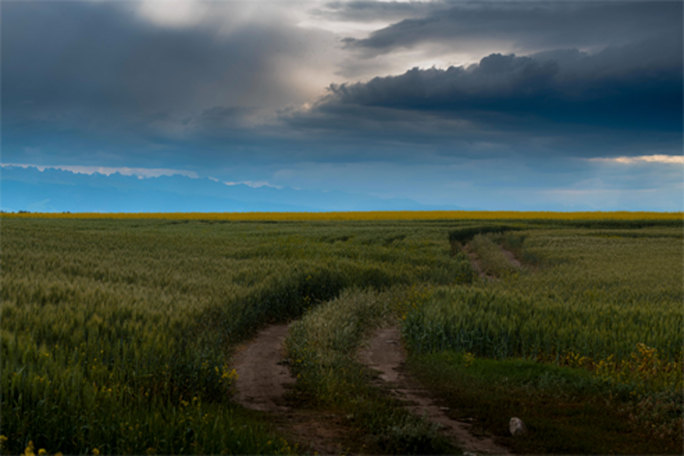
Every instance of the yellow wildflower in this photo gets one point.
(229, 375)
(29, 449)
(468, 359)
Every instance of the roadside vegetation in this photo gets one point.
(323, 348)
(116, 334)
(584, 339)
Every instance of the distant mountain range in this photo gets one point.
(55, 190)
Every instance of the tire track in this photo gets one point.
(385, 354)
(263, 379)
(262, 375)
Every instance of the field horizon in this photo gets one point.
(365, 215)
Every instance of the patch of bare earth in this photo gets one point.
(263, 378)
(262, 375)
(477, 266)
(385, 354)
(475, 263)
(511, 258)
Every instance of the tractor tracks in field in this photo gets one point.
(511, 258)
(477, 265)
(385, 354)
(263, 378)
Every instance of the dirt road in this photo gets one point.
(263, 378)
(385, 354)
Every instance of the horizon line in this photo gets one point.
(362, 215)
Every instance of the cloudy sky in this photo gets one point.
(564, 105)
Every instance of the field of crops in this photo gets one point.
(595, 293)
(117, 334)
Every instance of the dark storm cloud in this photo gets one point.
(612, 96)
(89, 66)
(530, 25)
(93, 82)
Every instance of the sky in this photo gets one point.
(151, 105)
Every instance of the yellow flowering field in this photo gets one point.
(374, 215)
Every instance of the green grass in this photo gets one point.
(565, 410)
(118, 334)
(322, 350)
(490, 257)
(589, 294)
(109, 327)
(605, 302)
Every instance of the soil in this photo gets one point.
(385, 354)
(263, 379)
(262, 375)
(511, 258)
(475, 263)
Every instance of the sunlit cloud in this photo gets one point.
(253, 184)
(346, 28)
(665, 159)
(172, 13)
(141, 173)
